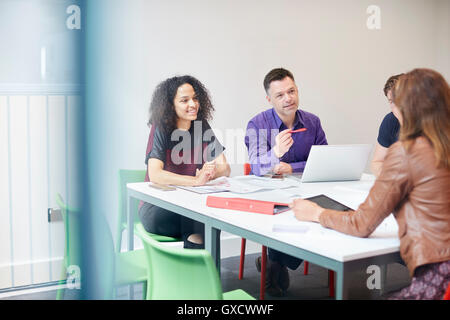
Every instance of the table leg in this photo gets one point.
(130, 223)
(212, 244)
(341, 286)
(383, 276)
(130, 234)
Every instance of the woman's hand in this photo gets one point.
(210, 167)
(306, 210)
(205, 174)
(221, 166)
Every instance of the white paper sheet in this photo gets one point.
(241, 184)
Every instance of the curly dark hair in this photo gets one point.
(162, 109)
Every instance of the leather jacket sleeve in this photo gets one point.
(387, 194)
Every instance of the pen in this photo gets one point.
(298, 130)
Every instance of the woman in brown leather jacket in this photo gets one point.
(414, 185)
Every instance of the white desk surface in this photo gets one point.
(317, 239)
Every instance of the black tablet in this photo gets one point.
(328, 203)
(279, 208)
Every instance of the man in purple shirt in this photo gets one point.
(273, 148)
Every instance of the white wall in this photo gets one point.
(26, 27)
(339, 64)
(442, 11)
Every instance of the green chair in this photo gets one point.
(130, 176)
(114, 269)
(72, 253)
(182, 274)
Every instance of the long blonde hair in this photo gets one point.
(423, 98)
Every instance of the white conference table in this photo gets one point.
(309, 241)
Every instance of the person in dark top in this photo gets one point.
(181, 150)
(389, 129)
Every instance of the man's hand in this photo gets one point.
(282, 168)
(283, 142)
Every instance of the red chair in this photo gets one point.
(247, 169)
(447, 293)
(330, 278)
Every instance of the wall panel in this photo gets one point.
(5, 225)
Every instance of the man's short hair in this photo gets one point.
(390, 83)
(276, 74)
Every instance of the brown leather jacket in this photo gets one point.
(417, 193)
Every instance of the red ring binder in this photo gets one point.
(249, 205)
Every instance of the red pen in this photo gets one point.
(298, 130)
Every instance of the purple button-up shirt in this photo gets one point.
(260, 138)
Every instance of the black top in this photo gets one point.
(183, 152)
(389, 129)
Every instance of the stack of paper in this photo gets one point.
(241, 184)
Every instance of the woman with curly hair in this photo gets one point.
(414, 184)
(181, 150)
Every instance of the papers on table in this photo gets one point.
(292, 228)
(359, 186)
(287, 223)
(241, 184)
(217, 185)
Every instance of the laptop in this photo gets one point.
(335, 163)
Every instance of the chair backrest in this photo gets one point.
(247, 169)
(179, 274)
(100, 260)
(447, 293)
(128, 176)
(72, 227)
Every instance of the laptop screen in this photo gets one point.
(336, 162)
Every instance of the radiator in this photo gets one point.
(38, 159)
